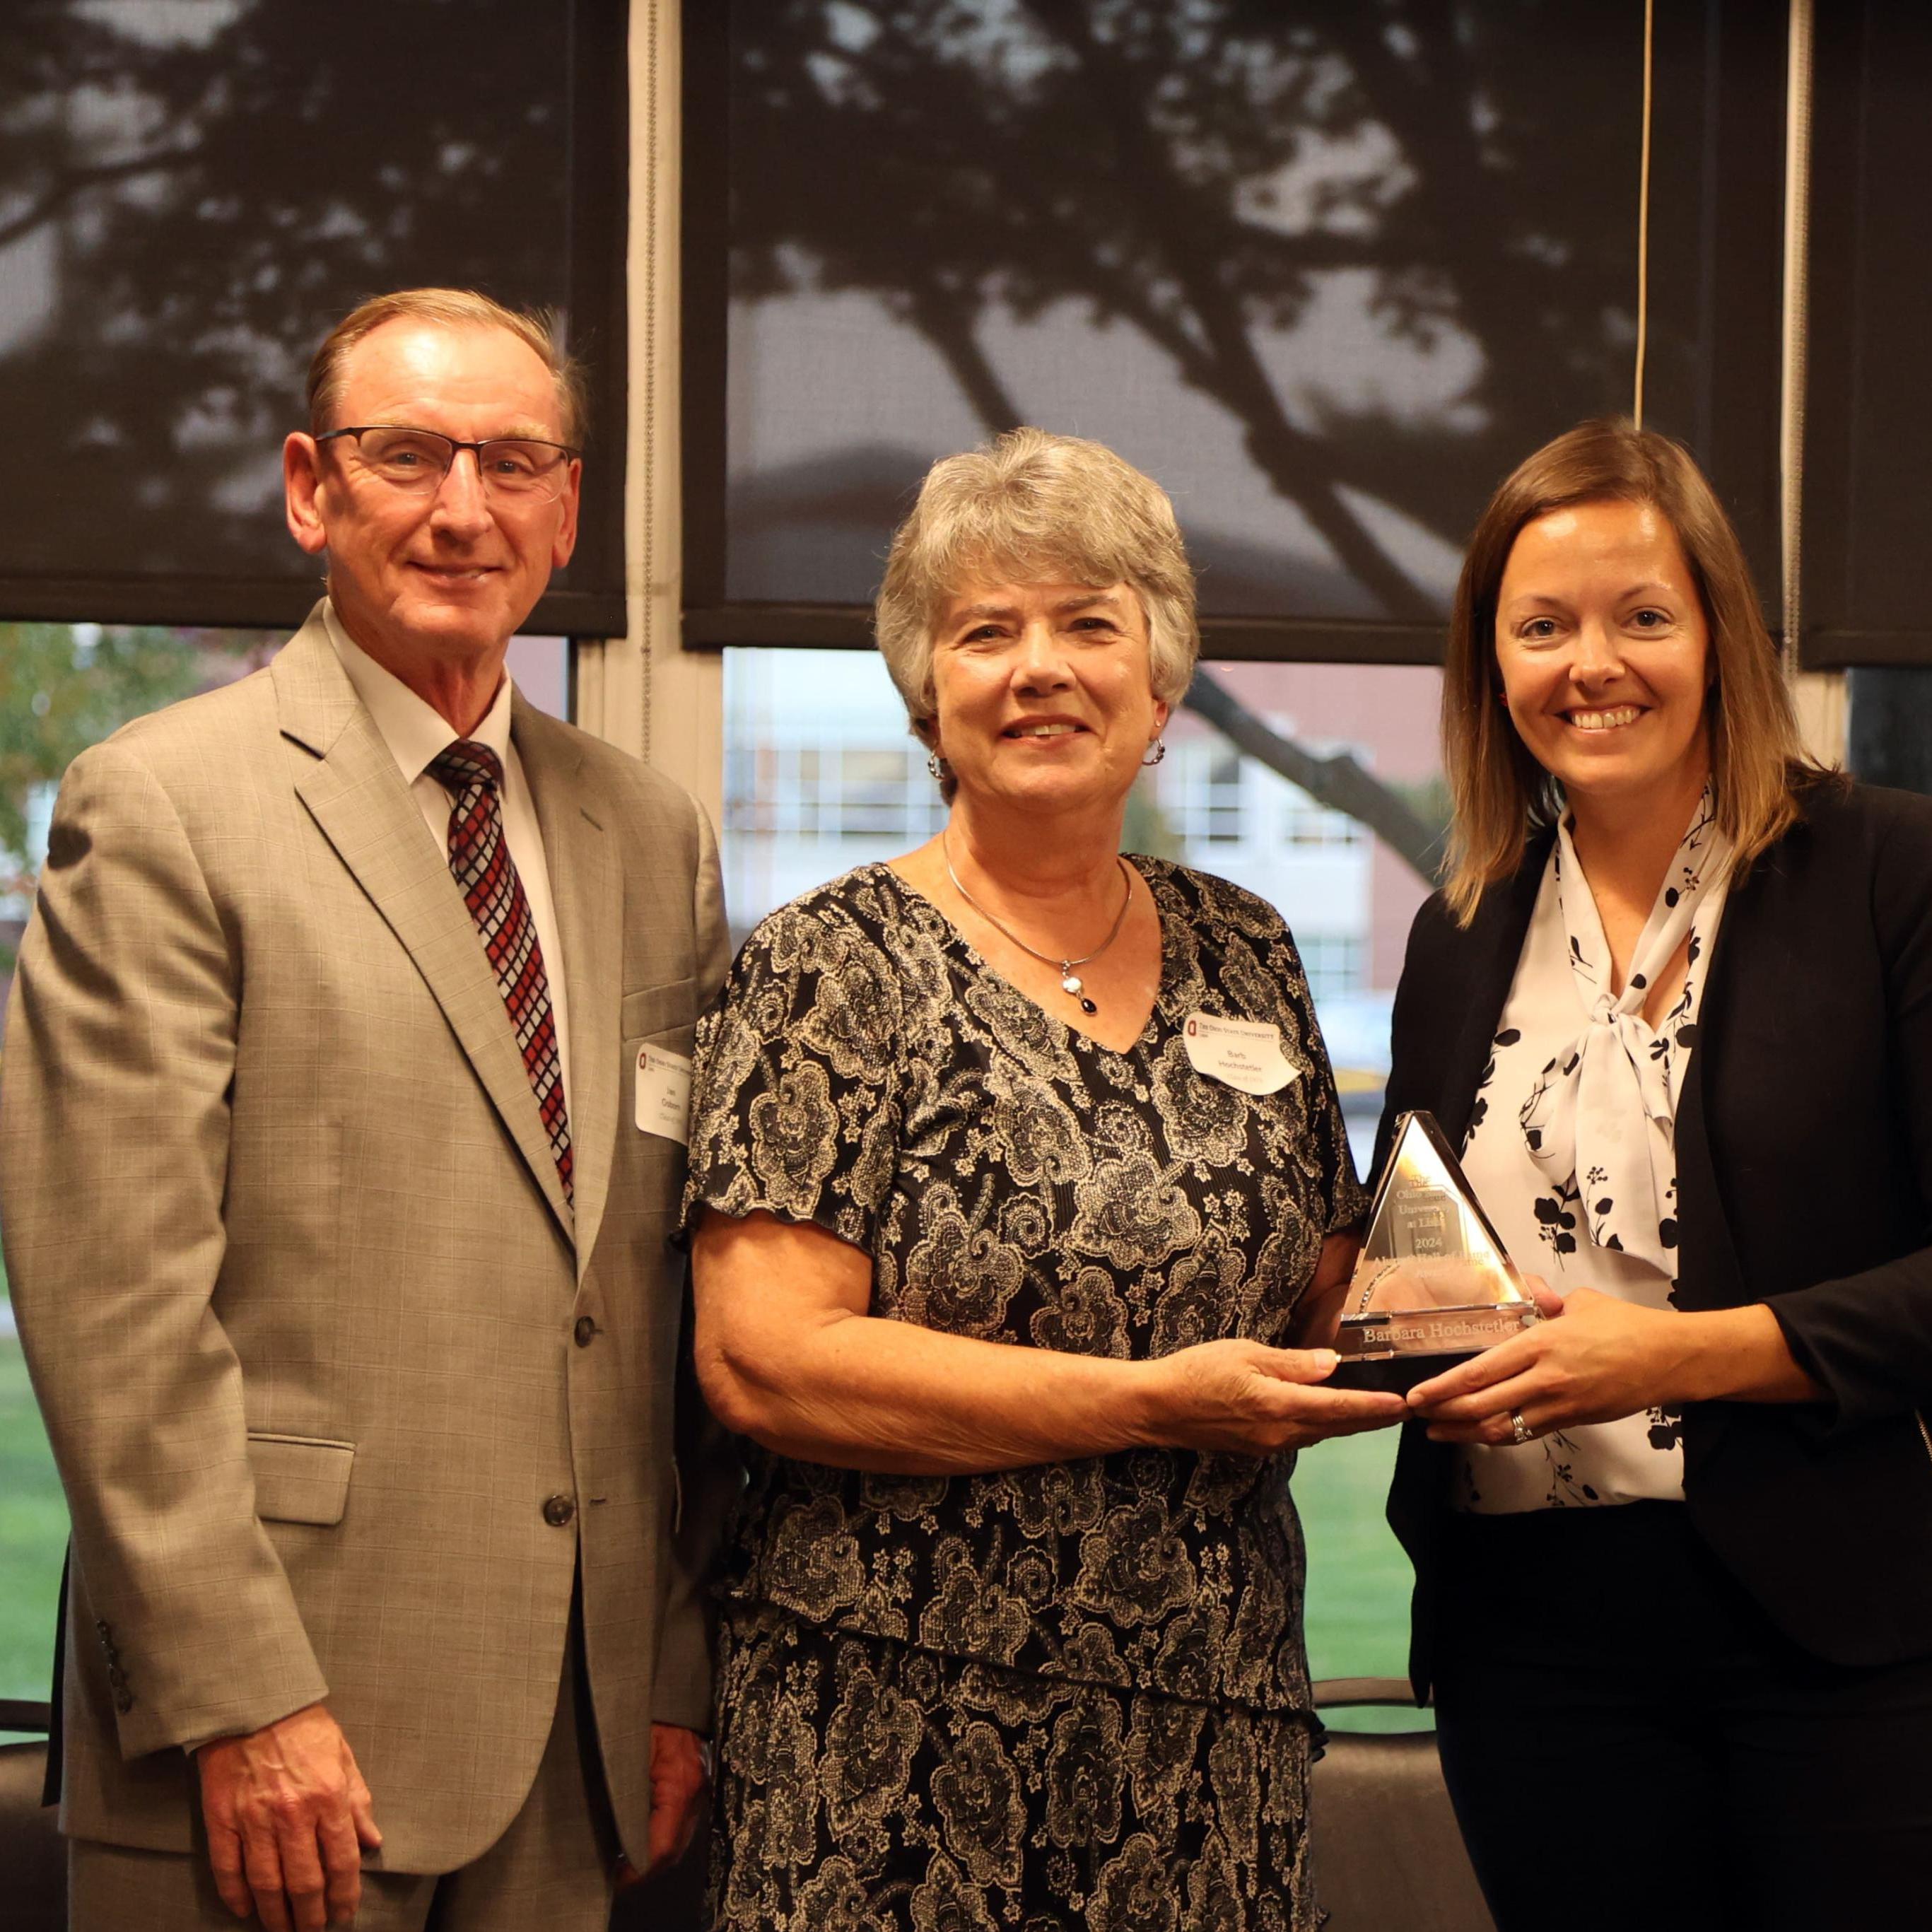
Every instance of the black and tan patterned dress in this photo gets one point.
(1069, 1696)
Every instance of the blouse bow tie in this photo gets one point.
(1602, 1116)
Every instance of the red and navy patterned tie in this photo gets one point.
(479, 857)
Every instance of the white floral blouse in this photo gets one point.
(1572, 1151)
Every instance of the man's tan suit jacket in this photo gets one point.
(338, 1384)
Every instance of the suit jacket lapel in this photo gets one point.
(357, 797)
(1709, 1274)
(589, 895)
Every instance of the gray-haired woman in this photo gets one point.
(1017, 1170)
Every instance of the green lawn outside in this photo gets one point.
(33, 1533)
(1358, 1579)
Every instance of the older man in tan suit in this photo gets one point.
(341, 1136)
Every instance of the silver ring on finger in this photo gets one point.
(1519, 1429)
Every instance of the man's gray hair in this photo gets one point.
(539, 330)
(1032, 507)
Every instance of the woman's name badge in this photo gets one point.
(1244, 1053)
(664, 1093)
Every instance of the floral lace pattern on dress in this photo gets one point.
(1011, 1179)
(864, 1786)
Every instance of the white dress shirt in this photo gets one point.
(417, 734)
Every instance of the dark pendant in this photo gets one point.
(1088, 1007)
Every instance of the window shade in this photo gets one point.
(193, 191)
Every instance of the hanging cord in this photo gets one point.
(1797, 293)
(1643, 217)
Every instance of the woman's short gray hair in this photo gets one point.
(1031, 507)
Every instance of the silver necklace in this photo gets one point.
(1070, 982)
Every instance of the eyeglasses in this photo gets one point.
(418, 459)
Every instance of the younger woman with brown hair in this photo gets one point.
(1673, 1547)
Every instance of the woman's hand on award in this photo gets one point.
(1245, 1398)
(1593, 1358)
(1598, 1358)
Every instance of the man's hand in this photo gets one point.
(289, 1817)
(680, 1782)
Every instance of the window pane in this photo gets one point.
(790, 715)
(33, 1530)
(821, 775)
(1349, 901)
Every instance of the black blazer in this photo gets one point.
(1805, 1181)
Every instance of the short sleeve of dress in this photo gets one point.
(796, 1086)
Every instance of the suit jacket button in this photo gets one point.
(586, 1331)
(123, 1703)
(558, 1511)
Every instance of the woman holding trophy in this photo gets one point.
(1674, 1545)
(1018, 1180)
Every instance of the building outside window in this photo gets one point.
(822, 774)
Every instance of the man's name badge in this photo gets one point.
(664, 1093)
(1244, 1053)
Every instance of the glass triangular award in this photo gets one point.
(1432, 1282)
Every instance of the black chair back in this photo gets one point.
(33, 1861)
(1387, 1851)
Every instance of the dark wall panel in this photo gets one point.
(1867, 588)
(1327, 271)
(190, 195)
